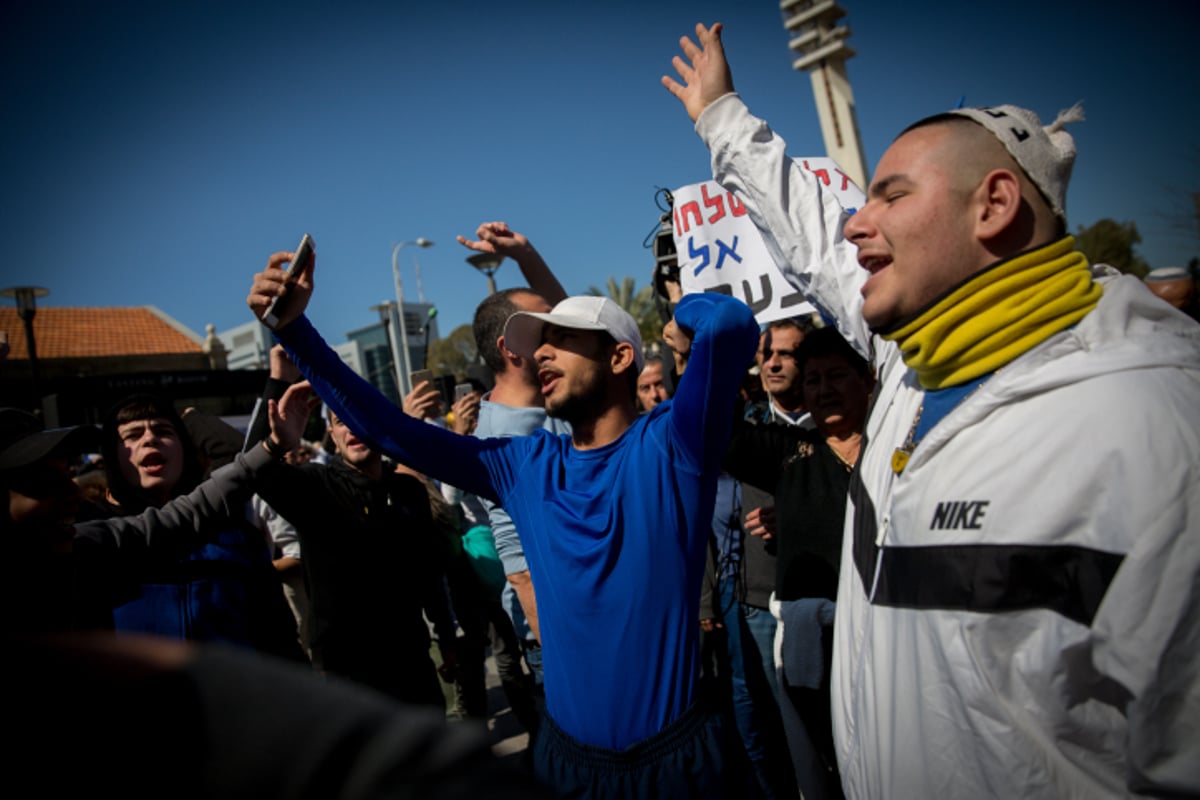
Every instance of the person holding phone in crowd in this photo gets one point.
(614, 520)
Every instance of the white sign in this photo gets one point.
(721, 250)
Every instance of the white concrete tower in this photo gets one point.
(821, 45)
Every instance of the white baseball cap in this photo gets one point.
(523, 331)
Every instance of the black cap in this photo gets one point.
(24, 442)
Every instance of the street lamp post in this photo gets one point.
(385, 317)
(26, 297)
(402, 362)
(425, 337)
(487, 263)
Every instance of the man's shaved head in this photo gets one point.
(975, 151)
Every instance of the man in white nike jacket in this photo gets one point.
(1017, 614)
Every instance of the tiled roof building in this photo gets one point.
(87, 358)
(98, 333)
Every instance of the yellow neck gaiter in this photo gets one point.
(997, 315)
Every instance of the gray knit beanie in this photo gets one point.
(1045, 153)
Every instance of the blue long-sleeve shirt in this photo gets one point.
(616, 535)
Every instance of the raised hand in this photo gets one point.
(498, 238)
(422, 400)
(289, 415)
(705, 73)
(282, 368)
(270, 284)
(466, 413)
(676, 338)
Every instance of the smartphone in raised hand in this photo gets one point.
(300, 261)
(419, 376)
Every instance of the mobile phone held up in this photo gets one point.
(419, 376)
(300, 261)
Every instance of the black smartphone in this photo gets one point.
(300, 261)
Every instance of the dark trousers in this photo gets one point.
(485, 623)
(696, 756)
(410, 679)
(519, 686)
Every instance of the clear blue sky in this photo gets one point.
(156, 153)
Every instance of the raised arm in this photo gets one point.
(426, 448)
(705, 73)
(799, 217)
(183, 522)
(187, 519)
(724, 335)
(498, 238)
(282, 375)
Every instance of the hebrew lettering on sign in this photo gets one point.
(720, 249)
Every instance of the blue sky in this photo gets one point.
(156, 153)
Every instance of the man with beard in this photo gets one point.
(614, 520)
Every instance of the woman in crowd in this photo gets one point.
(808, 471)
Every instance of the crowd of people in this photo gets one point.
(941, 537)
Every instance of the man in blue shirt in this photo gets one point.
(614, 519)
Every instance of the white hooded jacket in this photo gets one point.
(1018, 612)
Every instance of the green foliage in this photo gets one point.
(638, 302)
(454, 353)
(1111, 242)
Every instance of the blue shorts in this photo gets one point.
(697, 755)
